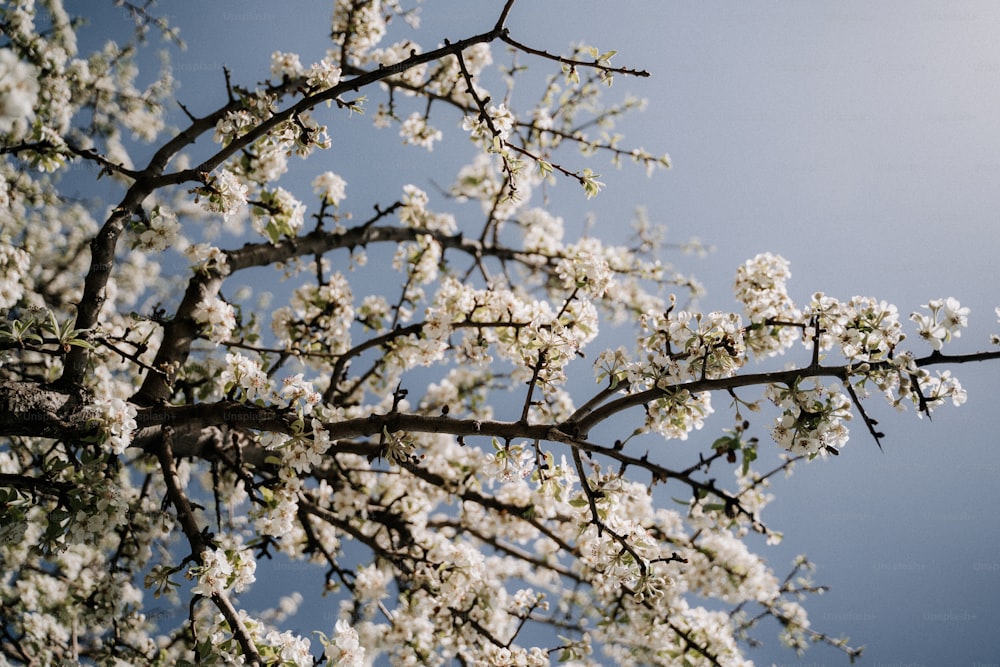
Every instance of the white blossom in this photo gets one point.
(247, 375)
(18, 90)
(225, 194)
(160, 233)
(945, 321)
(330, 188)
(118, 423)
(278, 214)
(216, 317)
(415, 130)
(286, 64)
(14, 264)
(324, 74)
(345, 648)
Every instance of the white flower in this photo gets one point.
(503, 120)
(945, 321)
(345, 647)
(500, 117)
(760, 286)
(543, 232)
(244, 569)
(278, 517)
(583, 266)
(161, 232)
(206, 257)
(232, 125)
(930, 330)
(279, 214)
(213, 573)
(865, 329)
(371, 583)
(509, 463)
(676, 415)
(296, 389)
(217, 318)
(813, 419)
(397, 53)
(416, 131)
(221, 569)
(956, 317)
(936, 389)
(286, 64)
(119, 424)
(361, 23)
(292, 649)
(226, 194)
(14, 264)
(413, 213)
(18, 90)
(247, 375)
(330, 188)
(324, 74)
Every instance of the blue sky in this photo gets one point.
(859, 141)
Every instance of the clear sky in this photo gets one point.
(862, 142)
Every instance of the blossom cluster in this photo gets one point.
(685, 346)
(322, 75)
(216, 317)
(319, 317)
(415, 130)
(224, 193)
(583, 266)
(760, 287)
(344, 648)
(222, 569)
(286, 65)
(509, 462)
(245, 376)
(278, 213)
(277, 517)
(14, 264)
(159, 233)
(480, 181)
(945, 321)
(414, 212)
(118, 424)
(18, 92)
(447, 79)
(865, 329)
(411, 77)
(233, 125)
(330, 188)
(528, 332)
(361, 24)
(812, 419)
(206, 257)
(493, 128)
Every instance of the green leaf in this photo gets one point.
(725, 443)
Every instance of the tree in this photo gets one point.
(425, 439)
